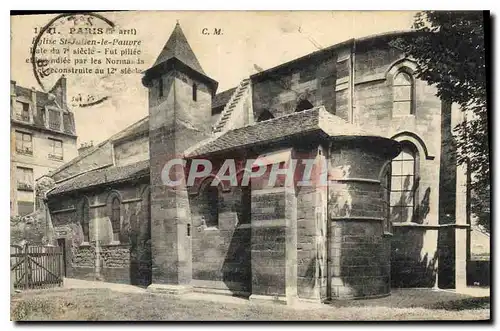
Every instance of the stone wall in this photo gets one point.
(359, 252)
(274, 244)
(311, 235)
(221, 254)
(411, 263)
(176, 122)
(128, 260)
(282, 91)
(131, 151)
(414, 248)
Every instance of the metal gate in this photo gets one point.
(34, 267)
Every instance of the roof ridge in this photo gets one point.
(297, 113)
(111, 174)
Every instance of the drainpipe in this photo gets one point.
(352, 62)
(328, 234)
(97, 252)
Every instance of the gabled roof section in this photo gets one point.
(102, 177)
(178, 47)
(316, 119)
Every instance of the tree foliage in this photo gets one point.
(449, 48)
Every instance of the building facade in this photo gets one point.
(390, 215)
(43, 138)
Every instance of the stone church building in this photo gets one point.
(392, 214)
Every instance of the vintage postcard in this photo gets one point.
(219, 165)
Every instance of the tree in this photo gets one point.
(450, 52)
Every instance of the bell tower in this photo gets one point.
(180, 105)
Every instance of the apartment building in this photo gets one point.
(43, 137)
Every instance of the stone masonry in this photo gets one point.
(335, 239)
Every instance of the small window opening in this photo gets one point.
(160, 87)
(303, 105)
(195, 92)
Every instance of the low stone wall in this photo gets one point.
(114, 263)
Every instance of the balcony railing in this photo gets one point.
(24, 186)
(55, 125)
(23, 117)
(55, 157)
(25, 150)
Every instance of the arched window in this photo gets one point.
(386, 197)
(211, 204)
(403, 93)
(404, 169)
(115, 218)
(85, 219)
(265, 115)
(303, 104)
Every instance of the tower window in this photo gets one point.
(160, 87)
(195, 92)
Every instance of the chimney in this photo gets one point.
(59, 91)
(12, 97)
(63, 92)
(85, 146)
(12, 87)
(33, 103)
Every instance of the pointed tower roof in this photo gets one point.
(178, 47)
(178, 54)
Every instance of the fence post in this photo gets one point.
(26, 262)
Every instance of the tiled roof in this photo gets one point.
(222, 98)
(25, 92)
(315, 119)
(42, 100)
(102, 176)
(178, 47)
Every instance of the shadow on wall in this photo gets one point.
(408, 267)
(236, 268)
(404, 209)
(140, 244)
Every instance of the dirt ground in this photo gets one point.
(104, 304)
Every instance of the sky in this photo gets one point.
(262, 38)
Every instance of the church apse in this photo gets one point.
(358, 239)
